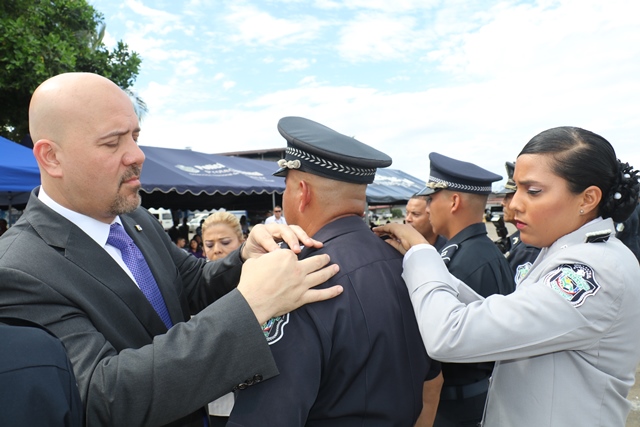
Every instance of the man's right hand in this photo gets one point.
(277, 283)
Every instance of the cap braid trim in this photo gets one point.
(334, 166)
(463, 187)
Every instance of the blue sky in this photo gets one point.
(474, 80)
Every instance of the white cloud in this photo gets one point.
(229, 84)
(391, 6)
(251, 26)
(187, 67)
(379, 37)
(161, 22)
(294, 64)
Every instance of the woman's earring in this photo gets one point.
(581, 212)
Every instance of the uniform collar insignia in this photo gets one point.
(597, 236)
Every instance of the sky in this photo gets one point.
(472, 80)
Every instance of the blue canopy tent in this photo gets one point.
(185, 179)
(392, 187)
(19, 174)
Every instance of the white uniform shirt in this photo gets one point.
(566, 341)
(272, 220)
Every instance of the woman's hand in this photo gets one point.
(401, 236)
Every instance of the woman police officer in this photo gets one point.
(566, 341)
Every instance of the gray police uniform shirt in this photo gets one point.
(566, 341)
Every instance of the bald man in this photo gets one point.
(357, 360)
(104, 277)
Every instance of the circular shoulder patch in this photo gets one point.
(274, 329)
(573, 282)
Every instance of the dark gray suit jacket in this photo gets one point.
(130, 369)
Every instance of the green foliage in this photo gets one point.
(396, 213)
(40, 39)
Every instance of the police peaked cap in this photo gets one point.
(316, 149)
(455, 175)
(510, 186)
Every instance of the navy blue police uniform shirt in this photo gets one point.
(357, 359)
(37, 383)
(477, 261)
(473, 258)
(440, 243)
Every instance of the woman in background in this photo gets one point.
(221, 235)
(195, 249)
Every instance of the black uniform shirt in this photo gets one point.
(477, 261)
(357, 359)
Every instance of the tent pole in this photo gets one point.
(10, 197)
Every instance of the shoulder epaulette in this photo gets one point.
(597, 236)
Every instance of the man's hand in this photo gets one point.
(277, 283)
(402, 236)
(263, 238)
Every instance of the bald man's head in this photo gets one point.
(68, 102)
(85, 133)
(311, 201)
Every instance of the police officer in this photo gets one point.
(37, 383)
(359, 360)
(520, 255)
(458, 193)
(570, 329)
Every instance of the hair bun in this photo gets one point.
(623, 194)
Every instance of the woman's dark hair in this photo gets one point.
(584, 159)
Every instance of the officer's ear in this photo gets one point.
(304, 195)
(591, 197)
(455, 202)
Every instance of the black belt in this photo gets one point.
(466, 391)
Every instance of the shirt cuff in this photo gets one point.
(414, 249)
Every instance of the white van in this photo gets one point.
(163, 216)
(194, 222)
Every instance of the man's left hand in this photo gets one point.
(264, 239)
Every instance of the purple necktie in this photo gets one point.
(138, 266)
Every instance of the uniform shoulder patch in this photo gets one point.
(447, 253)
(573, 282)
(521, 272)
(273, 329)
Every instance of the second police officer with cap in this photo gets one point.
(458, 193)
(358, 360)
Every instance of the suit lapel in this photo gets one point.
(87, 255)
(99, 264)
(163, 272)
